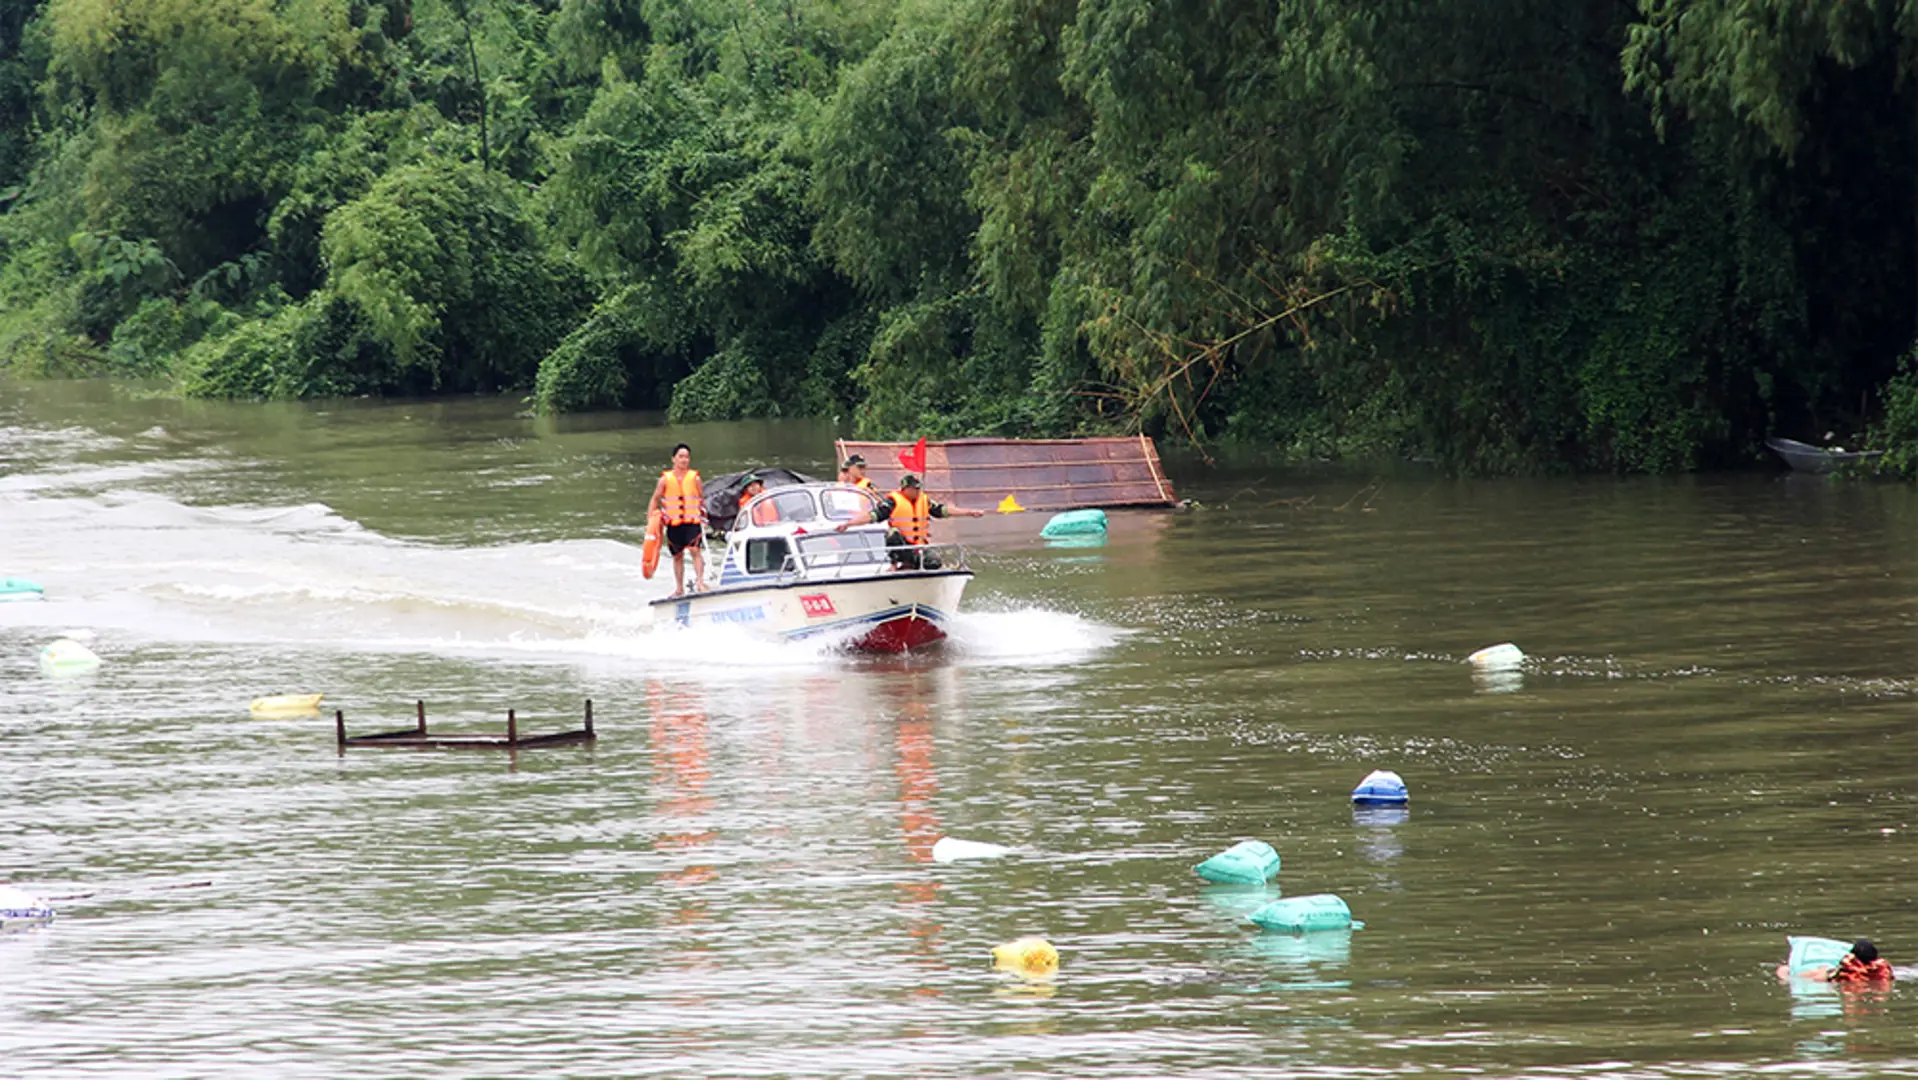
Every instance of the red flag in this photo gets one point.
(915, 459)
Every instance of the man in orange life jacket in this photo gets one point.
(763, 514)
(682, 504)
(910, 511)
(854, 473)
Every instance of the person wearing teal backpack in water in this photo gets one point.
(1862, 966)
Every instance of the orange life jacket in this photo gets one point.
(1852, 970)
(680, 501)
(912, 518)
(764, 512)
(864, 482)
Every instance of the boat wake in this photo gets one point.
(140, 569)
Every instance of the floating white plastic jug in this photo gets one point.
(1381, 787)
(952, 849)
(1075, 523)
(19, 908)
(66, 656)
(1502, 657)
(1320, 911)
(285, 705)
(1029, 957)
(1248, 862)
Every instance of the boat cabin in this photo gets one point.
(791, 533)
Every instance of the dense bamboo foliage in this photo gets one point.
(1503, 234)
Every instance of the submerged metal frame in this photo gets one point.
(416, 736)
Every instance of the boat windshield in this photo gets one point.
(847, 503)
(799, 505)
(836, 550)
(785, 506)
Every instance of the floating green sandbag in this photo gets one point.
(1248, 862)
(1075, 523)
(1321, 911)
(1808, 953)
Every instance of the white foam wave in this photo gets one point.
(1029, 637)
(141, 565)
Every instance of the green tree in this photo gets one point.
(442, 263)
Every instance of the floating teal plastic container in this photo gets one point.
(1075, 523)
(15, 588)
(1808, 953)
(1248, 862)
(1326, 948)
(1320, 911)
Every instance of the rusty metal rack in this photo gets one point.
(1042, 474)
(416, 735)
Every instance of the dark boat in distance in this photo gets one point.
(1804, 457)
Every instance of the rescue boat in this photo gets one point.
(790, 571)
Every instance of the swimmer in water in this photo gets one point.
(1862, 966)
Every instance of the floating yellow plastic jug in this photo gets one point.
(1010, 505)
(285, 704)
(1030, 957)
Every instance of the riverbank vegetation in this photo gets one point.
(1507, 235)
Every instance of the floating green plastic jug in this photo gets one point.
(1808, 953)
(1321, 911)
(1075, 523)
(1248, 862)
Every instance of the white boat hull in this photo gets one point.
(887, 612)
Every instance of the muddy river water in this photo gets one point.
(1713, 744)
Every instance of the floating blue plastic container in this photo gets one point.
(1382, 787)
(1298, 914)
(1075, 523)
(1380, 818)
(1248, 862)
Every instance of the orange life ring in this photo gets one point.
(649, 554)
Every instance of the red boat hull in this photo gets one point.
(903, 634)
